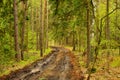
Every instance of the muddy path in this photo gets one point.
(60, 64)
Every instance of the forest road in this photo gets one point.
(60, 64)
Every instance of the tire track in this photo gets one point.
(56, 66)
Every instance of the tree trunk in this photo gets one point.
(41, 30)
(66, 41)
(88, 35)
(37, 31)
(34, 19)
(23, 29)
(74, 42)
(26, 38)
(31, 19)
(47, 24)
(107, 33)
(17, 49)
(97, 20)
(27, 28)
(117, 22)
(79, 41)
(119, 50)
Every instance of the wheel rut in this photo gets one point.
(60, 64)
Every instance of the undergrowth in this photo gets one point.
(12, 65)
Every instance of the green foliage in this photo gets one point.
(32, 40)
(110, 43)
(47, 51)
(8, 64)
(6, 50)
(116, 62)
(68, 20)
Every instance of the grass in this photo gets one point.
(116, 62)
(29, 58)
(68, 47)
(42, 79)
(100, 71)
(102, 56)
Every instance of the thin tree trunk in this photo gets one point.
(23, 29)
(117, 21)
(107, 33)
(37, 31)
(47, 25)
(66, 41)
(27, 27)
(74, 45)
(34, 19)
(26, 39)
(41, 30)
(32, 24)
(17, 49)
(119, 50)
(88, 35)
(97, 20)
(79, 40)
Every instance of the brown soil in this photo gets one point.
(60, 64)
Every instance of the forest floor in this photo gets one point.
(101, 72)
(63, 64)
(60, 64)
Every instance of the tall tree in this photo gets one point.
(24, 4)
(107, 31)
(117, 21)
(46, 22)
(88, 32)
(74, 38)
(97, 19)
(41, 29)
(32, 16)
(17, 49)
(37, 29)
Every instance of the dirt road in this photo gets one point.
(60, 64)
